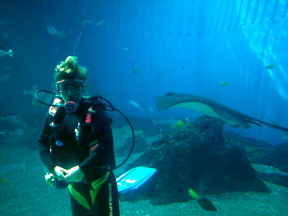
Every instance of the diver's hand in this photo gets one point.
(74, 174)
(49, 179)
(59, 172)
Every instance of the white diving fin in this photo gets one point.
(134, 178)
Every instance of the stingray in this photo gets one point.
(211, 108)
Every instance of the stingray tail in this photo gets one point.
(263, 123)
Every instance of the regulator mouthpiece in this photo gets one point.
(70, 107)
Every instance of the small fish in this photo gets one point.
(187, 121)
(223, 83)
(84, 22)
(161, 73)
(150, 109)
(171, 122)
(4, 77)
(5, 169)
(134, 104)
(183, 67)
(4, 134)
(206, 204)
(4, 180)
(193, 194)
(31, 92)
(250, 150)
(178, 125)
(52, 30)
(270, 66)
(98, 24)
(125, 49)
(256, 154)
(18, 132)
(2, 53)
(11, 119)
(135, 69)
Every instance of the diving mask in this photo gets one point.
(66, 86)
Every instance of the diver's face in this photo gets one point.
(70, 90)
(75, 97)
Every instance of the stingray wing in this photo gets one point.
(211, 108)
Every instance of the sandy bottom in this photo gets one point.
(26, 192)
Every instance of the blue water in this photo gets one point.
(179, 46)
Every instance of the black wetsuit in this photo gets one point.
(73, 152)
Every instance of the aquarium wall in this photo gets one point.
(233, 52)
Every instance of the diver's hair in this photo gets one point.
(69, 69)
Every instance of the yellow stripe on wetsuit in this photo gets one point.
(96, 185)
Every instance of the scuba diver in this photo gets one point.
(76, 144)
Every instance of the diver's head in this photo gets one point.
(70, 79)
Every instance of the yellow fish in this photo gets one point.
(270, 66)
(193, 194)
(250, 150)
(187, 121)
(256, 154)
(206, 204)
(224, 83)
(178, 125)
(4, 180)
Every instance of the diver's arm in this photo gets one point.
(46, 157)
(74, 174)
(103, 133)
(44, 146)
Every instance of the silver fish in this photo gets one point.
(31, 92)
(18, 132)
(5, 169)
(87, 22)
(4, 133)
(52, 30)
(4, 77)
(150, 109)
(3, 53)
(134, 104)
(98, 24)
(135, 69)
(171, 122)
(11, 119)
